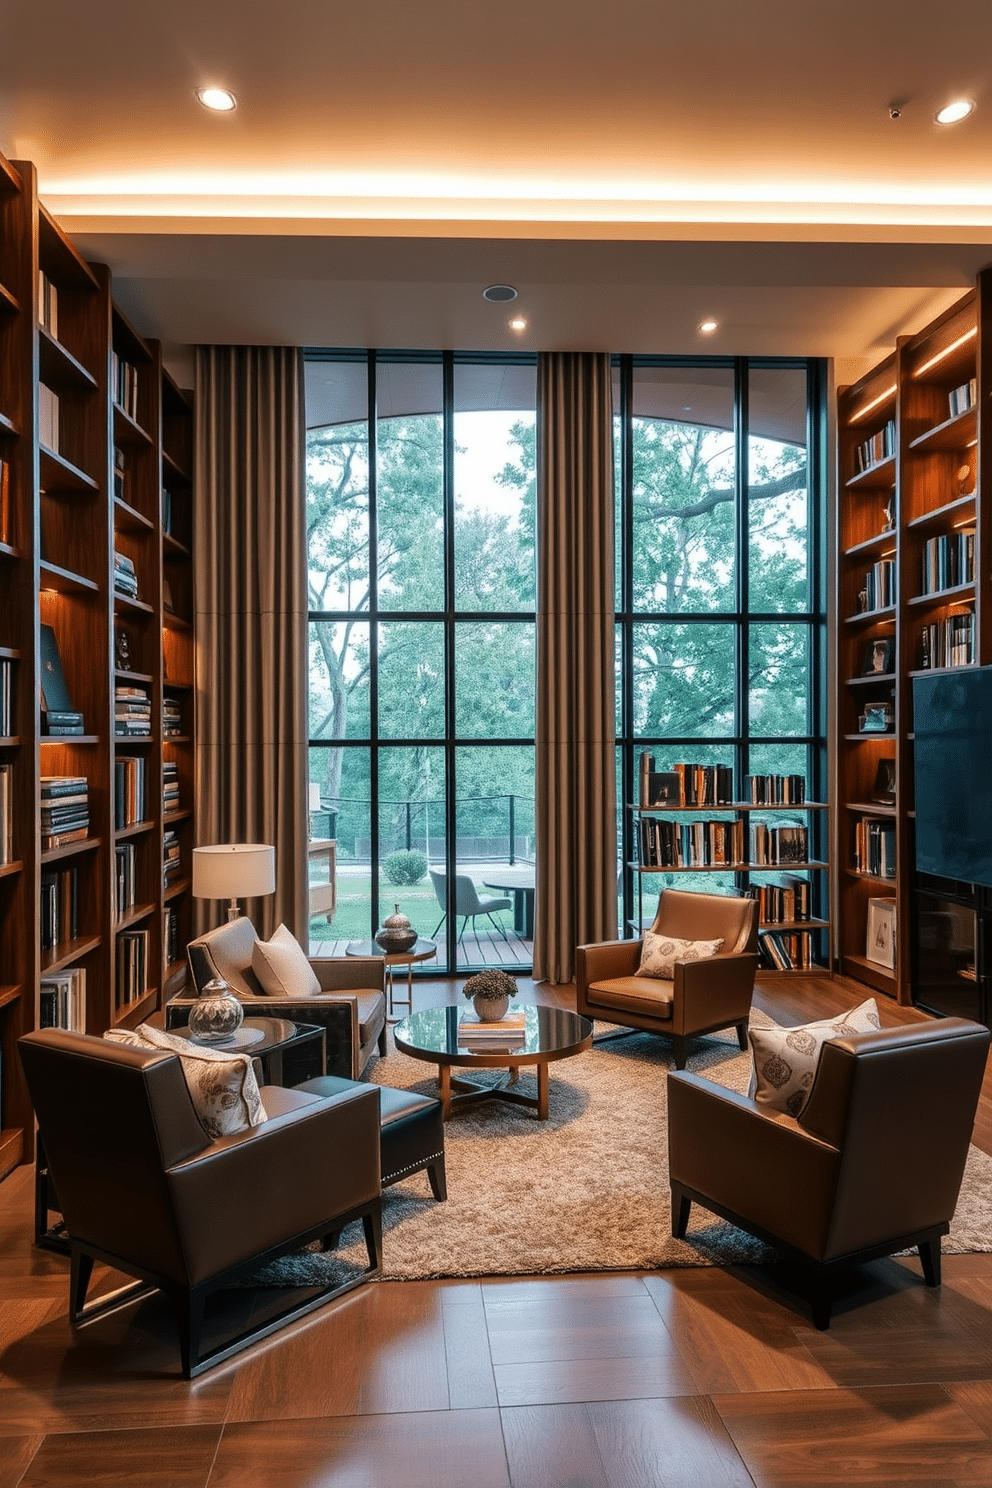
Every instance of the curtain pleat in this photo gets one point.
(576, 900)
(251, 616)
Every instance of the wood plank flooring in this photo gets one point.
(697, 1378)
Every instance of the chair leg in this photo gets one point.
(930, 1261)
(822, 1305)
(438, 925)
(681, 1205)
(190, 1308)
(372, 1225)
(381, 1043)
(80, 1271)
(742, 1034)
(680, 1049)
(464, 927)
(437, 1180)
(498, 927)
(330, 1240)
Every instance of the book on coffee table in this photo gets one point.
(511, 1029)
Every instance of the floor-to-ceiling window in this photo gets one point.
(721, 605)
(420, 521)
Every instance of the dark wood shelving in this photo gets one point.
(60, 475)
(135, 915)
(878, 477)
(943, 513)
(953, 434)
(126, 519)
(59, 368)
(8, 995)
(959, 594)
(65, 581)
(8, 870)
(8, 425)
(59, 956)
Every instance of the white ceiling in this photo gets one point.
(632, 168)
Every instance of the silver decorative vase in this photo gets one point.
(491, 1009)
(397, 934)
(216, 1015)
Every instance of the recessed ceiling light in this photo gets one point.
(218, 99)
(707, 327)
(519, 324)
(953, 113)
(499, 294)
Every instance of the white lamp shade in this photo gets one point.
(314, 796)
(234, 870)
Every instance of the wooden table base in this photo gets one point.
(458, 1090)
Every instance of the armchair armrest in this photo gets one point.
(611, 958)
(290, 1175)
(714, 989)
(756, 1165)
(346, 973)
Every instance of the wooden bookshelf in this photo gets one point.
(915, 508)
(73, 503)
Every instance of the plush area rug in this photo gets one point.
(585, 1191)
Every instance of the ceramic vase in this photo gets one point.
(491, 1009)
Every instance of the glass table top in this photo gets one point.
(434, 1031)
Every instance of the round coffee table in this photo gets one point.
(552, 1033)
(422, 950)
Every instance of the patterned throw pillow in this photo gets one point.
(785, 1059)
(659, 954)
(222, 1087)
(282, 967)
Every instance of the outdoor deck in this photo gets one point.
(475, 951)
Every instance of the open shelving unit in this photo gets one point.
(91, 488)
(921, 509)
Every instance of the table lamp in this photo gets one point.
(233, 871)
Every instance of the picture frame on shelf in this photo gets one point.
(122, 650)
(878, 657)
(884, 789)
(880, 946)
(877, 718)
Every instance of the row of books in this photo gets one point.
(65, 811)
(129, 792)
(785, 842)
(124, 385)
(170, 857)
(59, 907)
(6, 814)
(63, 1000)
(6, 532)
(172, 717)
(699, 844)
(132, 966)
(684, 784)
(125, 878)
(170, 786)
(960, 399)
(785, 952)
(775, 790)
(132, 712)
(173, 949)
(48, 417)
(875, 847)
(881, 446)
(948, 560)
(949, 642)
(6, 697)
(784, 902)
(48, 304)
(879, 589)
(125, 576)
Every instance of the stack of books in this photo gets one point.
(509, 1033)
(124, 385)
(960, 399)
(57, 713)
(170, 786)
(132, 713)
(125, 578)
(172, 718)
(775, 790)
(778, 844)
(125, 878)
(171, 936)
(783, 902)
(170, 854)
(132, 966)
(65, 809)
(63, 1000)
(881, 446)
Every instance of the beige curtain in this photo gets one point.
(576, 899)
(251, 614)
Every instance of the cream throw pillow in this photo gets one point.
(659, 954)
(785, 1059)
(222, 1087)
(282, 967)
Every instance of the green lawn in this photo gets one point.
(351, 920)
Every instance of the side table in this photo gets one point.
(423, 950)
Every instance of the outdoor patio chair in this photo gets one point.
(467, 902)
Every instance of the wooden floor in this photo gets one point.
(696, 1378)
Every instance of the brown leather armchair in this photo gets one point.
(704, 996)
(142, 1188)
(351, 1007)
(872, 1165)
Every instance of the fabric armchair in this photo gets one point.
(872, 1165)
(703, 996)
(351, 1007)
(144, 1189)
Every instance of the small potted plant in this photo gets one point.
(491, 991)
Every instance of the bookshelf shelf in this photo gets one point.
(137, 1009)
(8, 425)
(7, 870)
(9, 303)
(59, 474)
(135, 915)
(871, 617)
(126, 519)
(59, 367)
(8, 995)
(12, 1151)
(878, 477)
(65, 581)
(64, 954)
(928, 402)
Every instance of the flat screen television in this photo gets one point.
(952, 717)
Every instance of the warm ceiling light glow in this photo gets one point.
(888, 392)
(707, 327)
(953, 113)
(946, 352)
(519, 324)
(218, 99)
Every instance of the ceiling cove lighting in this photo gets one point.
(219, 100)
(953, 113)
(946, 352)
(888, 392)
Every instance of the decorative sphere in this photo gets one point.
(216, 1015)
